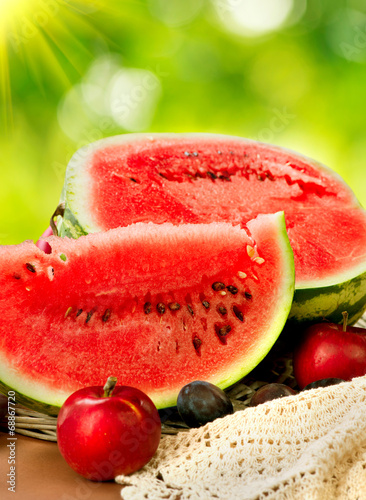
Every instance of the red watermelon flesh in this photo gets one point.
(199, 178)
(157, 306)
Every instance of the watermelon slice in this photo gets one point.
(157, 306)
(201, 178)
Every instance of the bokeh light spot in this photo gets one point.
(175, 12)
(134, 96)
(96, 82)
(346, 34)
(253, 18)
(109, 96)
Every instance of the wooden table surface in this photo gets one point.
(42, 474)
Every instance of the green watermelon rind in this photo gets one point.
(30, 403)
(31, 393)
(318, 303)
(70, 227)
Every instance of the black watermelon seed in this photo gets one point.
(232, 289)
(78, 312)
(225, 178)
(187, 153)
(219, 153)
(174, 306)
(224, 330)
(195, 153)
(222, 310)
(238, 313)
(147, 307)
(30, 267)
(191, 312)
(16, 276)
(218, 286)
(164, 176)
(106, 315)
(88, 316)
(212, 175)
(205, 304)
(197, 342)
(132, 179)
(260, 177)
(248, 295)
(160, 307)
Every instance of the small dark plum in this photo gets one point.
(269, 392)
(200, 402)
(324, 382)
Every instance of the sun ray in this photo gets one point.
(51, 34)
(67, 44)
(47, 53)
(5, 104)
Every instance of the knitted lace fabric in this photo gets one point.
(308, 446)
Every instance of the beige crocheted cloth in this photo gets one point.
(308, 446)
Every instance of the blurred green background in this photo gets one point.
(287, 72)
